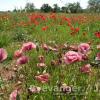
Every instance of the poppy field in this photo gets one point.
(49, 56)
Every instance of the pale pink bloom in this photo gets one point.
(41, 59)
(98, 56)
(86, 68)
(22, 60)
(52, 49)
(45, 47)
(43, 78)
(71, 57)
(98, 47)
(28, 46)
(41, 65)
(84, 48)
(73, 47)
(18, 53)
(84, 57)
(13, 95)
(34, 89)
(3, 54)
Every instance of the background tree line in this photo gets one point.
(93, 6)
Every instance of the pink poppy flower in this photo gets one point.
(3, 54)
(28, 46)
(13, 95)
(73, 47)
(98, 47)
(43, 78)
(41, 59)
(34, 89)
(84, 57)
(71, 57)
(98, 56)
(52, 49)
(86, 69)
(45, 47)
(41, 65)
(18, 54)
(84, 48)
(22, 60)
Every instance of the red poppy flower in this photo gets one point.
(72, 28)
(44, 28)
(97, 34)
(67, 19)
(53, 16)
(77, 29)
(69, 24)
